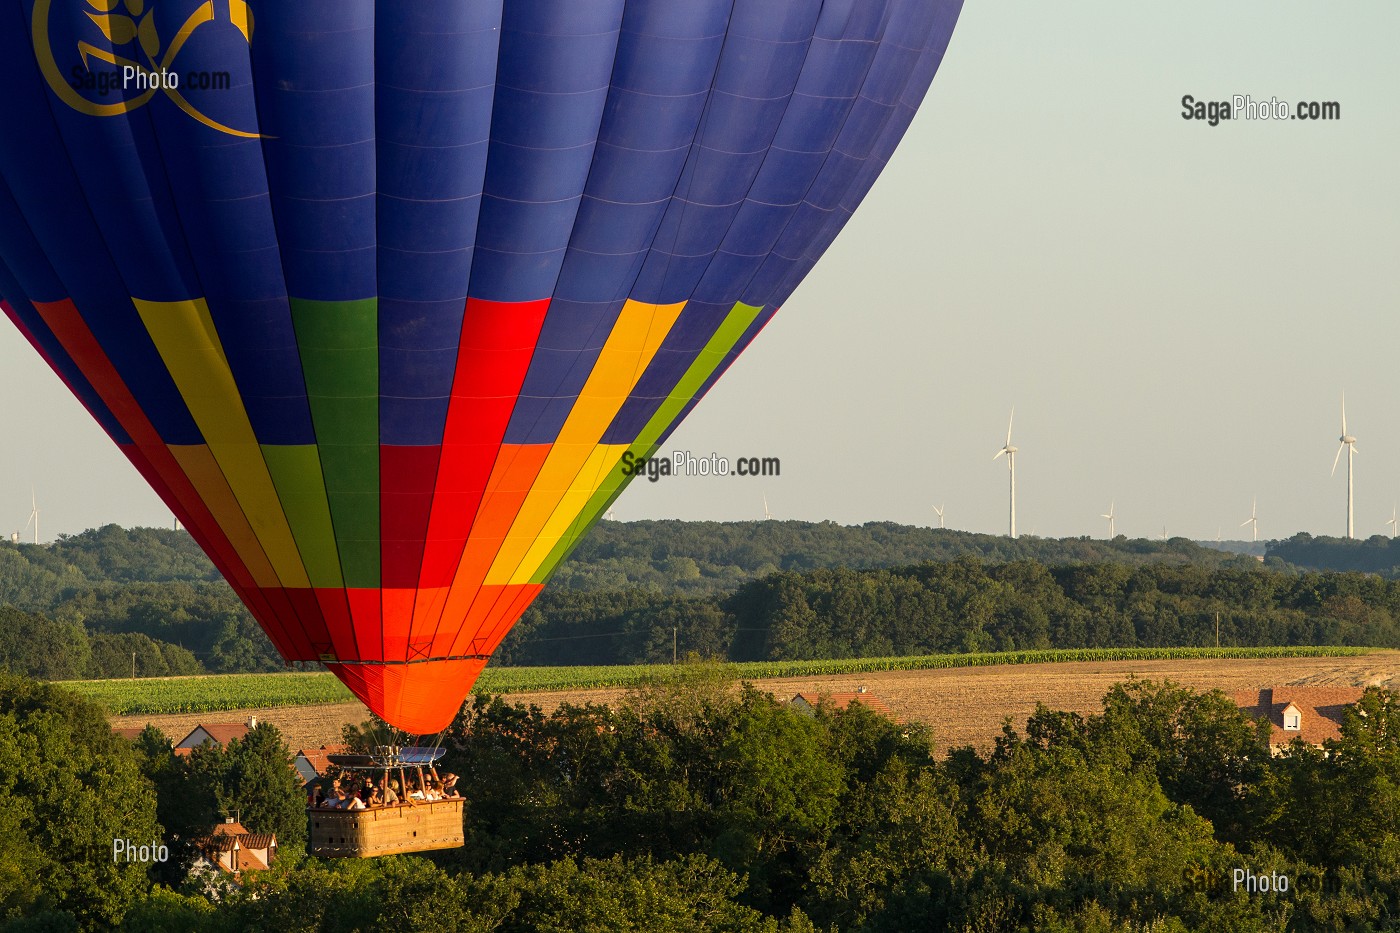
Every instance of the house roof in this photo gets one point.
(844, 700)
(230, 836)
(1321, 710)
(220, 732)
(247, 861)
(319, 758)
(217, 843)
(130, 733)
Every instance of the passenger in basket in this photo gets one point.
(415, 789)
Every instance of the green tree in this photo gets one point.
(163, 910)
(639, 896)
(41, 648)
(897, 823)
(401, 893)
(1203, 750)
(1067, 830)
(68, 788)
(776, 796)
(112, 656)
(187, 791)
(260, 785)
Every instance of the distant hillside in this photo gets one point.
(963, 605)
(1251, 548)
(1376, 554)
(110, 592)
(98, 597)
(715, 557)
(684, 557)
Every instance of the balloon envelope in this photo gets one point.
(377, 295)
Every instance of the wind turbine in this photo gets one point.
(939, 509)
(1109, 515)
(1010, 453)
(33, 514)
(1394, 522)
(1349, 445)
(1253, 518)
(767, 515)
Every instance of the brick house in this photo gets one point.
(231, 850)
(808, 702)
(220, 733)
(1313, 714)
(311, 763)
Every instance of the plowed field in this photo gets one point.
(965, 706)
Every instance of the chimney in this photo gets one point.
(252, 722)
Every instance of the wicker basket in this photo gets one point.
(386, 830)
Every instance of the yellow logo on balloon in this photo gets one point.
(137, 48)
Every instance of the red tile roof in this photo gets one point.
(130, 733)
(1321, 710)
(844, 700)
(220, 732)
(247, 861)
(233, 837)
(319, 758)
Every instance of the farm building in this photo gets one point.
(220, 733)
(311, 763)
(1313, 714)
(230, 849)
(808, 702)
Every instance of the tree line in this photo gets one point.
(1376, 554)
(963, 605)
(741, 590)
(692, 805)
(707, 558)
(81, 606)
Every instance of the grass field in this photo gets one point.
(171, 695)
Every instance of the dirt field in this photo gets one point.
(965, 706)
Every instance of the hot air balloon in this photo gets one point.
(376, 295)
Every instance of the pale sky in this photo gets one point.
(1173, 309)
